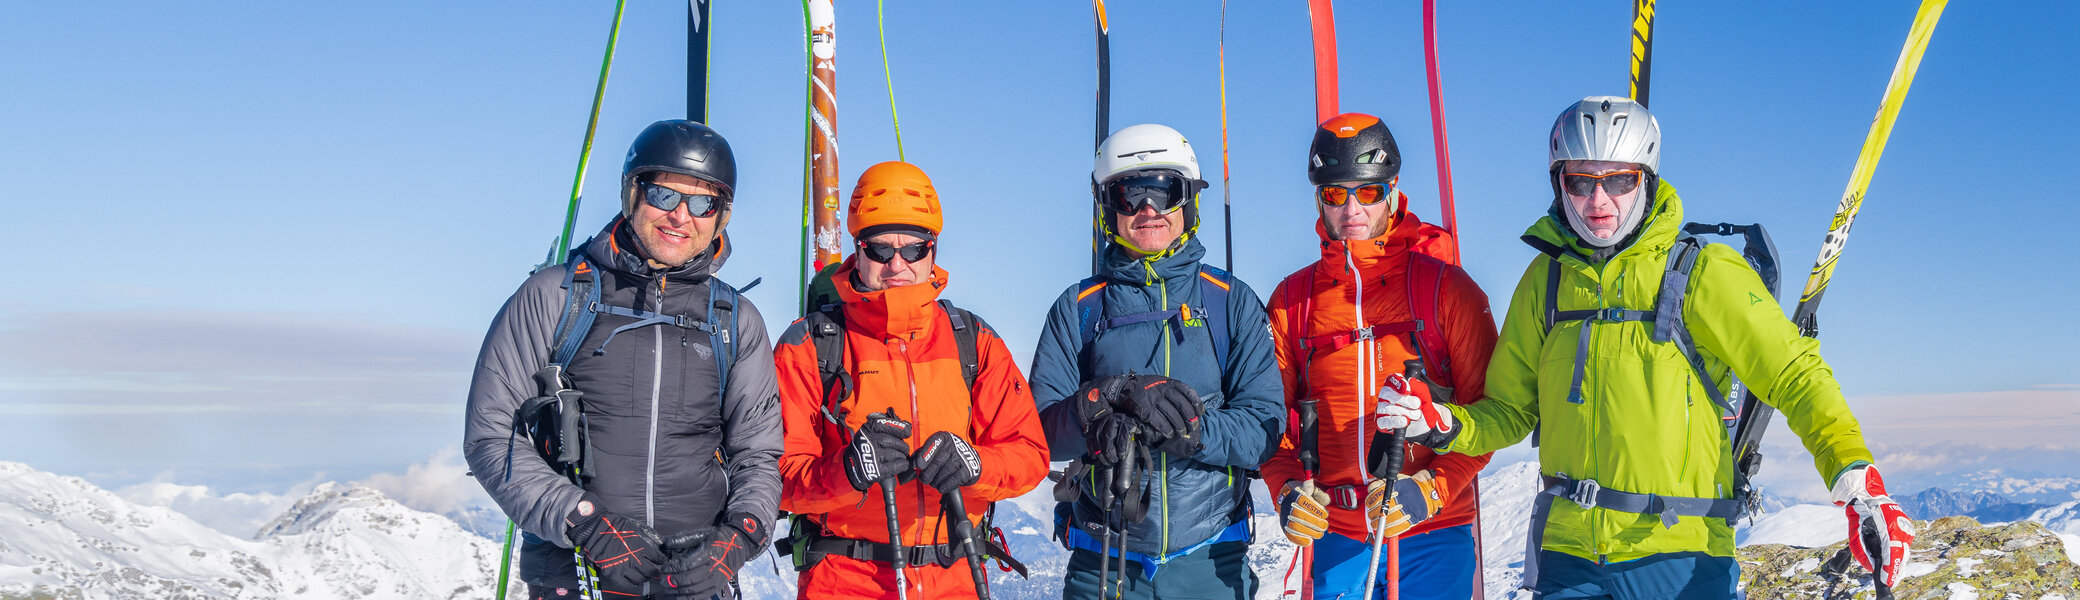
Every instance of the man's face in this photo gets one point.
(1148, 231)
(899, 270)
(1355, 220)
(1602, 212)
(671, 238)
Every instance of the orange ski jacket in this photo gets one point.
(1345, 380)
(901, 353)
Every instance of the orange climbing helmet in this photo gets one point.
(894, 195)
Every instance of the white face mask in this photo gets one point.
(1631, 206)
(1627, 221)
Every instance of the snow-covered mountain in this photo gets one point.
(63, 537)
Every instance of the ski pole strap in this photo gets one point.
(1589, 494)
(1346, 497)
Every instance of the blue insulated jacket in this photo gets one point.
(1193, 498)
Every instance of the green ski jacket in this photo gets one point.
(1644, 423)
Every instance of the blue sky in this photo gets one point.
(261, 241)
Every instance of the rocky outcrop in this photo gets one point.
(1954, 557)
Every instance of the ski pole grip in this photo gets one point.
(1413, 369)
(1309, 444)
(1879, 553)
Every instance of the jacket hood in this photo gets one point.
(1373, 254)
(1181, 261)
(898, 312)
(1551, 235)
(614, 248)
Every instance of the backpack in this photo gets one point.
(564, 440)
(1214, 286)
(827, 333)
(1743, 413)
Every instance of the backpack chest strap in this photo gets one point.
(1339, 341)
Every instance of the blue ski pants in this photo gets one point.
(1218, 571)
(1672, 576)
(1435, 565)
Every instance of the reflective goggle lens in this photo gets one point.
(667, 199)
(1165, 191)
(882, 253)
(1367, 194)
(1616, 183)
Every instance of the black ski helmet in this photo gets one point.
(1352, 147)
(678, 146)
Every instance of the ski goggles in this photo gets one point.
(882, 253)
(1367, 194)
(667, 199)
(1166, 191)
(1615, 183)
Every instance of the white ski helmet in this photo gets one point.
(1145, 148)
(1613, 129)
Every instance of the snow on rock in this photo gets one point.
(63, 537)
(1804, 525)
(1953, 557)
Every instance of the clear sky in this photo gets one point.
(260, 240)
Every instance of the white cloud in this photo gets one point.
(440, 485)
(237, 514)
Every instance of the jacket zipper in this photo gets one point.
(656, 389)
(1366, 380)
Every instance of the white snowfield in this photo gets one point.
(62, 536)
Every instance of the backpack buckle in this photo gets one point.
(1361, 335)
(1584, 493)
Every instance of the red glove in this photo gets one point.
(1861, 494)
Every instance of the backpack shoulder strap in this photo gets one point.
(1214, 285)
(1425, 285)
(580, 308)
(1090, 316)
(722, 329)
(965, 326)
(1668, 315)
(827, 333)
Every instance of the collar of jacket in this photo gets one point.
(900, 312)
(1373, 256)
(1180, 261)
(614, 247)
(1657, 233)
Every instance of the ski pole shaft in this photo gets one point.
(505, 560)
(964, 535)
(895, 528)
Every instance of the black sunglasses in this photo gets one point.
(667, 199)
(882, 253)
(1165, 191)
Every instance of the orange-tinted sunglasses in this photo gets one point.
(1366, 194)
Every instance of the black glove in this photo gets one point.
(1097, 398)
(947, 463)
(622, 550)
(878, 451)
(1167, 407)
(1107, 440)
(705, 562)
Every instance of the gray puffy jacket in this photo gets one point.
(669, 449)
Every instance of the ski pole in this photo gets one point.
(964, 537)
(1310, 462)
(1123, 479)
(895, 528)
(1388, 469)
(1879, 551)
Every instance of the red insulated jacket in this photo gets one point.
(1345, 378)
(901, 352)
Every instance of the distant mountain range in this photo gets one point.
(63, 537)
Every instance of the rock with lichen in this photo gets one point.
(1953, 557)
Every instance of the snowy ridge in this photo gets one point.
(61, 536)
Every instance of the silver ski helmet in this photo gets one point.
(678, 146)
(1148, 150)
(1612, 129)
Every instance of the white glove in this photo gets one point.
(1420, 420)
(1861, 494)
